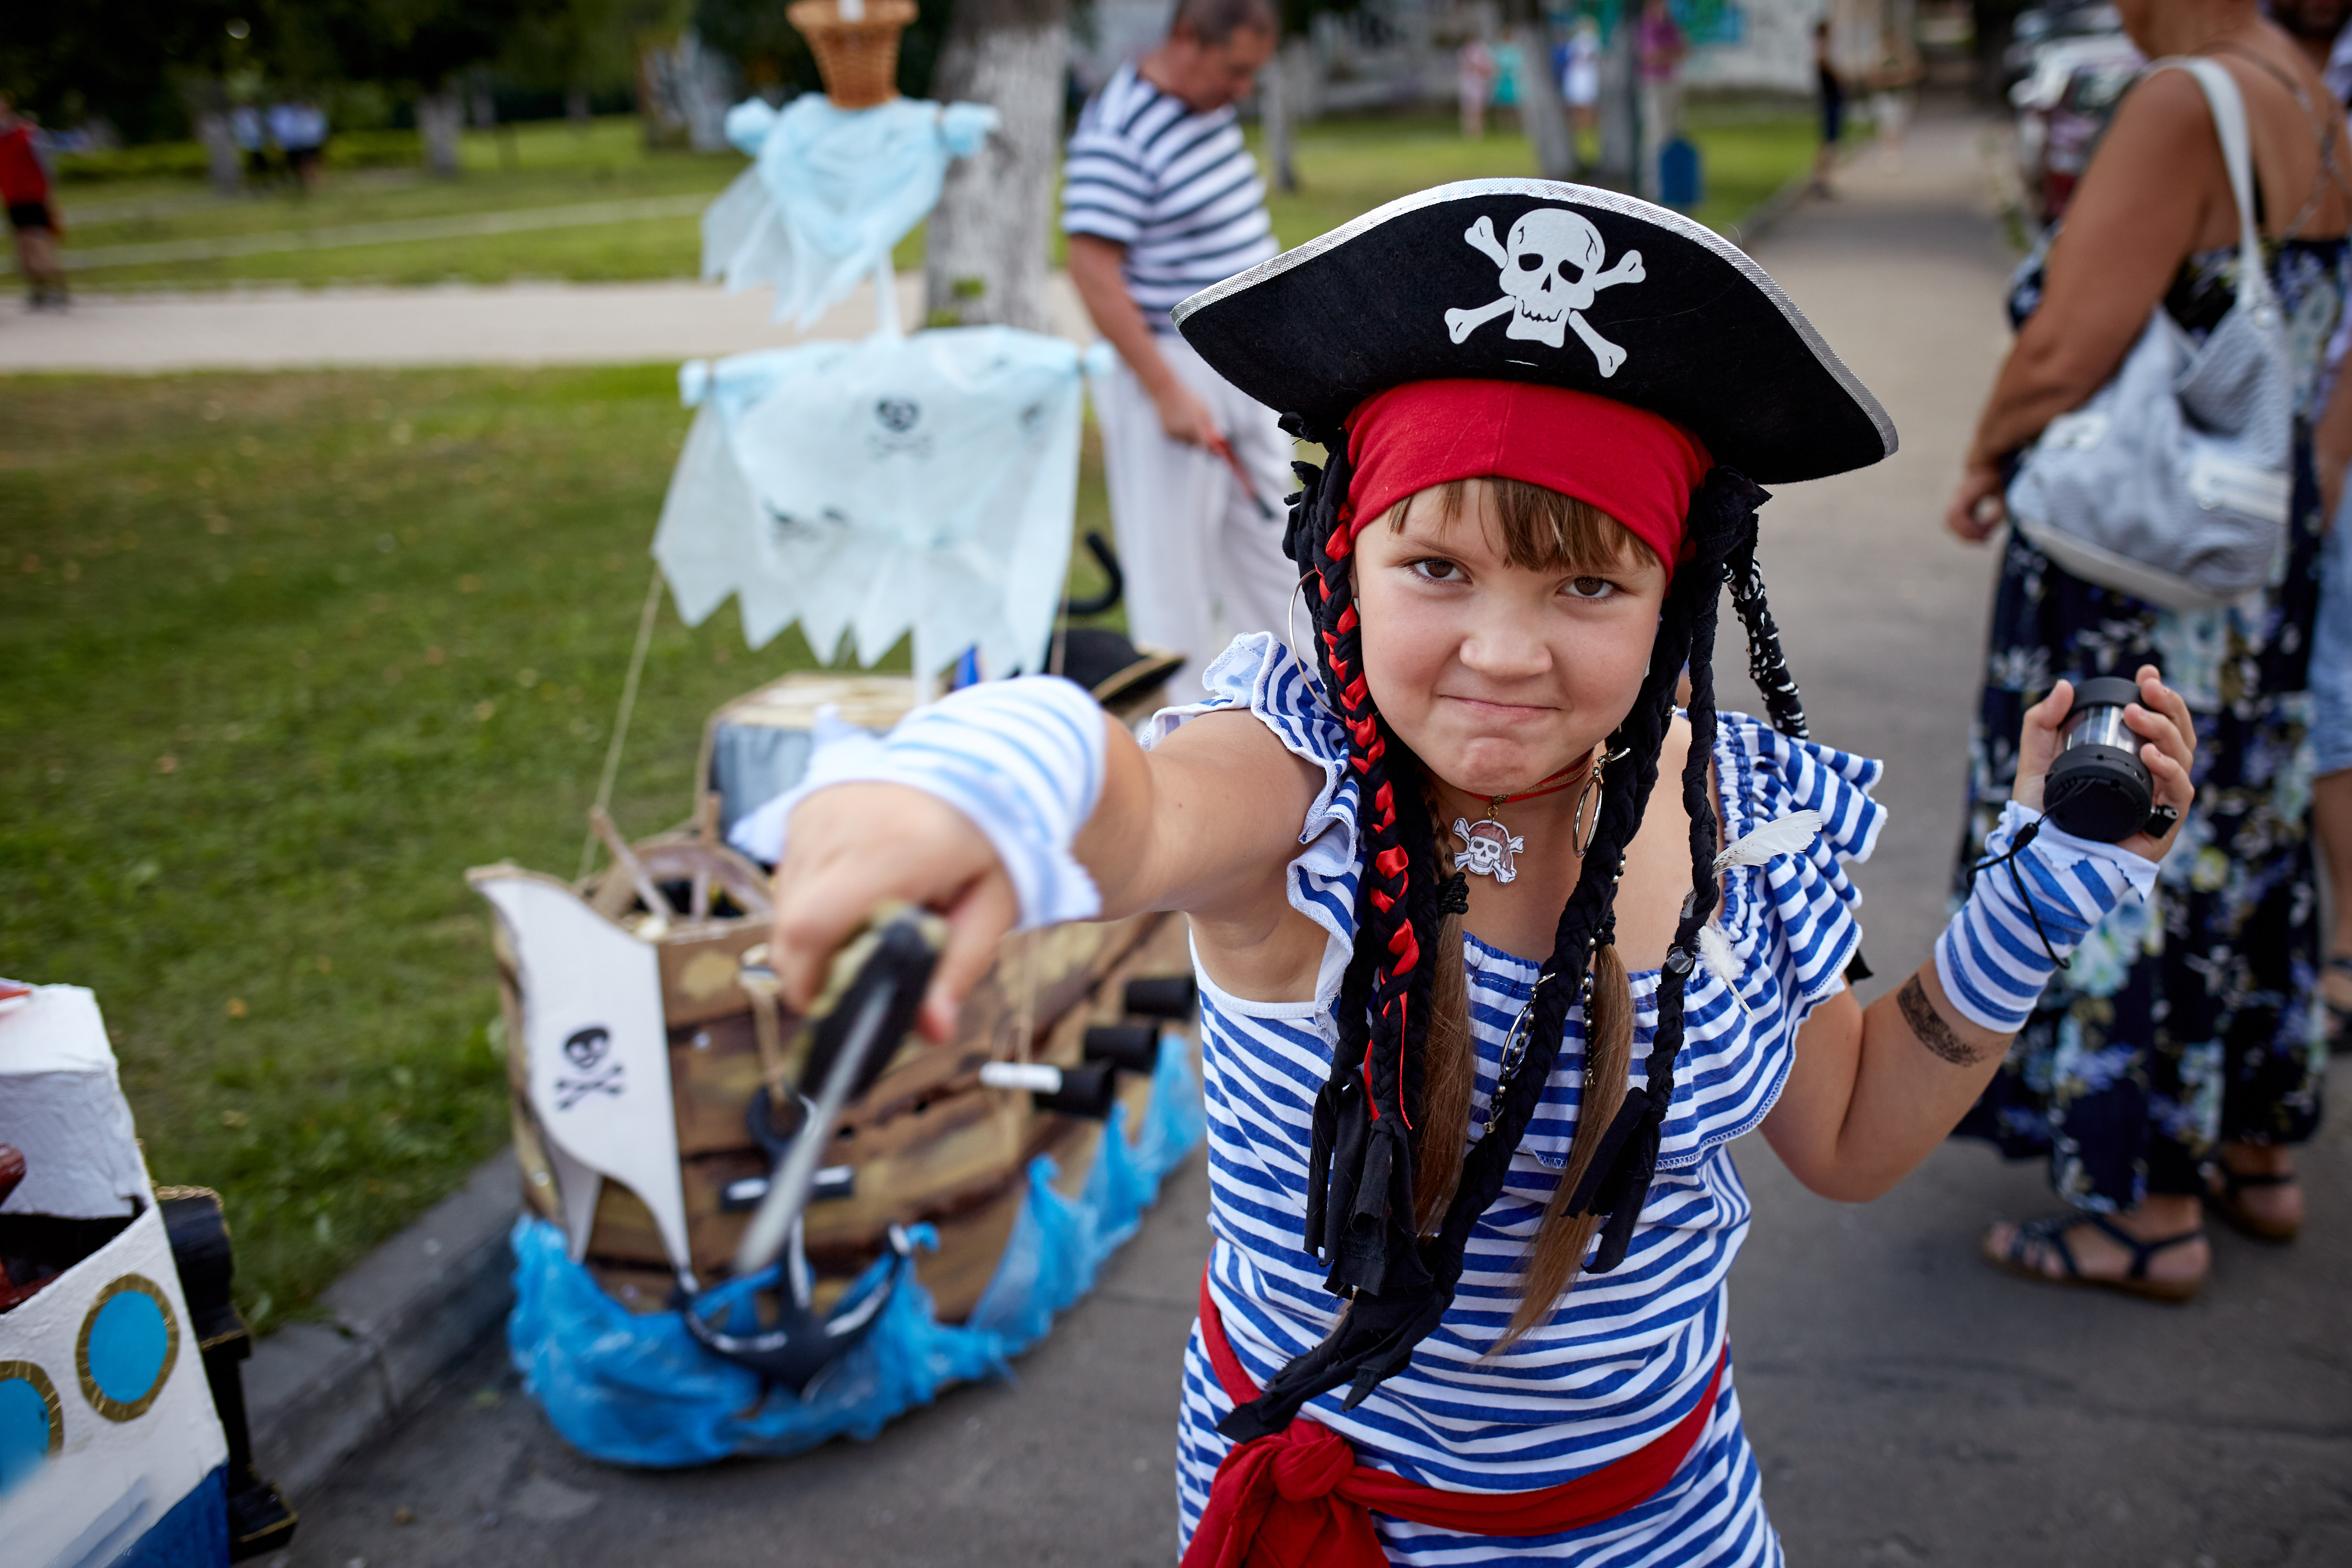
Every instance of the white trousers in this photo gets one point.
(1203, 563)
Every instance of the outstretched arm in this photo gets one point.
(1205, 822)
(1875, 1088)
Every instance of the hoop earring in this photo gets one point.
(1580, 836)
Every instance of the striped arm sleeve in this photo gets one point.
(1105, 190)
(1023, 759)
(1992, 958)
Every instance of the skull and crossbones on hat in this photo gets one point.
(1550, 271)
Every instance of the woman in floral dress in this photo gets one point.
(2180, 1058)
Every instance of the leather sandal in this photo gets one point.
(2050, 1231)
(2225, 1195)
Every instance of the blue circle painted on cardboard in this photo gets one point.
(30, 1428)
(130, 1346)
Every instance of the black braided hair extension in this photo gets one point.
(1360, 1199)
(1767, 666)
(1360, 1176)
(1721, 524)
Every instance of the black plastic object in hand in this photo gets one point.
(2098, 787)
(895, 957)
(872, 993)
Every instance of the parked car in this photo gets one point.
(2039, 26)
(2063, 109)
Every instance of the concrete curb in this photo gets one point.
(316, 1392)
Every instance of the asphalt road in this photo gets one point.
(1909, 1404)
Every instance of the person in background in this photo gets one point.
(300, 129)
(32, 215)
(1473, 73)
(1159, 200)
(2317, 27)
(245, 130)
(1831, 90)
(1579, 83)
(1661, 47)
(2179, 1061)
(1898, 71)
(1507, 83)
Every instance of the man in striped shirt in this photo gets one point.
(1161, 199)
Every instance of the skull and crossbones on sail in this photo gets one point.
(1550, 271)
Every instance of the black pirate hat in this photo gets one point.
(1558, 284)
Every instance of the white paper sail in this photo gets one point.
(829, 192)
(922, 484)
(598, 1051)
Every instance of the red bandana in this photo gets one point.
(1640, 468)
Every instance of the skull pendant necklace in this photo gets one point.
(1488, 848)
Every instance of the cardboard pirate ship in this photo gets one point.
(636, 1048)
(637, 1045)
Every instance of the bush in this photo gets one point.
(384, 149)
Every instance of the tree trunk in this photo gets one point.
(207, 100)
(1274, 113)
(1620, 107)
(704, 77)
(1541, 113)
(575, 108)
(986, 247)
(440, 118)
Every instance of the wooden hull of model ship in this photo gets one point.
(926, 1144)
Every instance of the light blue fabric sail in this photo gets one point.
(635, 1389)
(922, 484)
(830, 191)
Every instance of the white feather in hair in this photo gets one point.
(1791, 834)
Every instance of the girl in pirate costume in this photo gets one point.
(1481, 1005)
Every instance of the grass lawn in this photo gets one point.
(285, 654)
(1345, 167)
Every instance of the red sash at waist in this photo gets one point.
(1298, 1497)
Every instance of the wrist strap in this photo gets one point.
(2038, 891)
(1022, 759)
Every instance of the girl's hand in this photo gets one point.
(849, 847)
(1977, 506)
(2168, 749)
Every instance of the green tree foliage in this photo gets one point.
(412, 44)
(135, 61)
(120, 60)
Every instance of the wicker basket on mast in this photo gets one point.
(858, 55)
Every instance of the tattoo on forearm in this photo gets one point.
(1929, 1026)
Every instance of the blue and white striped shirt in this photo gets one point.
(1178, 189)
(1631, 1351)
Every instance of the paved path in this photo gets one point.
(513, 323)
(1908, 1405)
